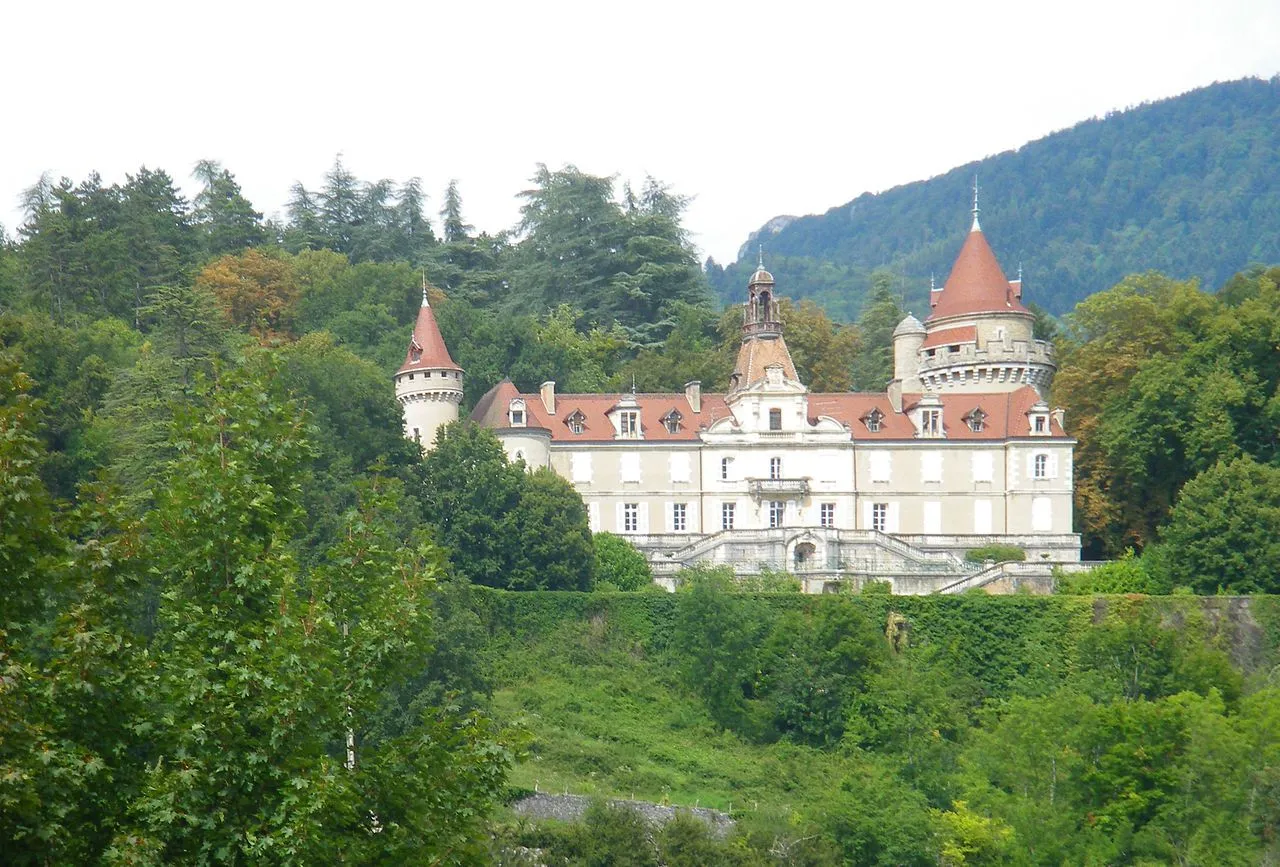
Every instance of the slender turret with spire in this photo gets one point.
(429, 383)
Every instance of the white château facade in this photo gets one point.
(959, 452)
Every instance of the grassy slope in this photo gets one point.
(590, 677)
(608, 719)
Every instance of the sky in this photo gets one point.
(751, 109)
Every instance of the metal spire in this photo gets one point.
(976, 227)
(933, 286)
(425, 303)
(760, 263)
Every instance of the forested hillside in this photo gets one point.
(1189, 186)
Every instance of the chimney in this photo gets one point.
(693, 394)
(548, 393)
(1060, 416)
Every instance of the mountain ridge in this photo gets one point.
(1188, 185)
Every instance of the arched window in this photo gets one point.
(1041, 467)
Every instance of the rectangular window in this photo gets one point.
(517, 418)
(879, 516)
(775, 468)
(931, 422)
(726, 515)
(775, 419)
(931, 466)
(1042, 424)
(725, 469)
(827, 515)
(630, 467)
(679, 517)
(630, 517)
(629, 425)
(777, 508)
(417, 436)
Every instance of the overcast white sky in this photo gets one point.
(754, 109)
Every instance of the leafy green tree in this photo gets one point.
(810, 667)
(716, 640)
(555, 549)
(471, 497)
(1224, 531)
(619, 564)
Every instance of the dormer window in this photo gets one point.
(977, 420)
(629, 424)
(874, 420)
(516, 414)
(671, 421)
(1039, 418)
(577, 422)
(415, 350)
(931, 422)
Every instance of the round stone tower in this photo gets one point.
(429, 383)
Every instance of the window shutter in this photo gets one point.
(983, 467)
(618, 525)
(671, 516)
(881, 466)
(932, 516)
(931, 466)
(828, 465)
(680, 467)
(581, 467)
(1052, 469)
(691, 519)
(866, 516)
(982, 517)
(643, 523)
(891, 520)
(593, 517)
(1041, 514)
(630, 467)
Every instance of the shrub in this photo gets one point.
(619, 565)
(996, 553)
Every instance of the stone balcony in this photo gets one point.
(778, 487)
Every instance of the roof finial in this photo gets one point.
(976, 227)
(760, 263)
(425, 303)
(1019, 271)
(633, 384)
(933, 284)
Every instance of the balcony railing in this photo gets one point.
(786, 487)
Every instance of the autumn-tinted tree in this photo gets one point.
(257, 292)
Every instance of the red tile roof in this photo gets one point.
(976, 285)
(949, 336)
(1006, 414)
(426, 348)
